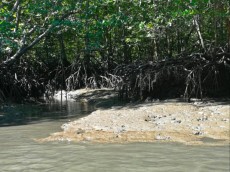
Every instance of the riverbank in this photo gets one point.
(162, 121)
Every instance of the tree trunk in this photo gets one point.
(24, 48)
(195, 19)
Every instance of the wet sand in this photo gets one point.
(162, 121)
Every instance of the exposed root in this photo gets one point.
(195, 76)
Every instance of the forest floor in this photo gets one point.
(197, 123)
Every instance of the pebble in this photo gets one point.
(197, 133)
(88, 139)
(197, 103)
(148, 99)
(156, 100)
(179, 121)
(160, 123)
(159, 137)
(65, 126)
(148, 118)
(80, 131)
(120, 129)
(205, 118)
(225, 120)
(200, 113)
(197, 130)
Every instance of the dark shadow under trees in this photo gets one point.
(197, 75)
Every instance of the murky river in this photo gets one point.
(19, 152)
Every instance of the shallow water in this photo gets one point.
(19, 152)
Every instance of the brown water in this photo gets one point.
(19, 152)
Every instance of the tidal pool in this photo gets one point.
(19, 152)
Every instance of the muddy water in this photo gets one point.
(19, 152)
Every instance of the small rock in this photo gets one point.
(156, 100)
(197, 103)
(205, 118)
(178, 121)
(65, 126)
(148, 99)
(197, 133)
(200, 113)
(120, 129)
(225, 120)
(160, 123)
(80, 131)
(118, 136)
(88, 139)
(148, 118)
(159, 137)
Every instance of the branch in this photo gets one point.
(24, 49)
(15, 7)
(198, 32)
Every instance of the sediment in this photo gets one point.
(164, 121)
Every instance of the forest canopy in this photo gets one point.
(140, 47)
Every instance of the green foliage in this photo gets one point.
(132, 22)
(109, 32)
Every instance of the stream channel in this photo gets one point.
(20, 124)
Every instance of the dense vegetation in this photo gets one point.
(144, 48)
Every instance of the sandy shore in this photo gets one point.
(166, 121)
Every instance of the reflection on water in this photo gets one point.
(29, 113)
(18, 151)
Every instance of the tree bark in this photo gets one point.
(23, 49)
(228, 28)
(15, 7)
(199, 32)
(17, 18)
